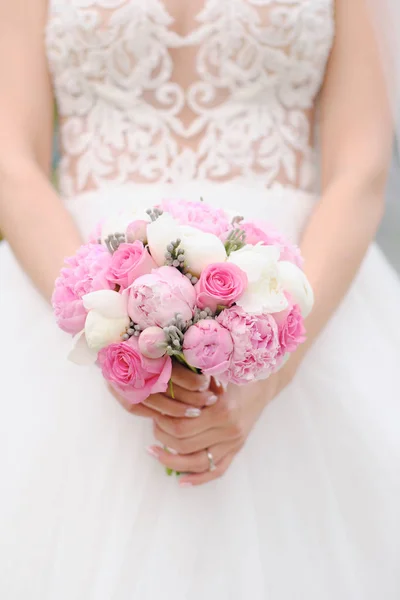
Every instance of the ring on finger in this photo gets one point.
(211, 464)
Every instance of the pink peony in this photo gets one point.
(291, 330)
(199, 215)
(152, 342)
(128, 263)
(131, 374)
(208, 346)
(255, 344)
(87, 272)
(156, 299)
(220, 284)
(270, 237)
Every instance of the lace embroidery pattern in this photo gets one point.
(230, 99)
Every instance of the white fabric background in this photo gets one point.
(389, 233)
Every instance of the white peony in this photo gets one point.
(265, 292)
(296, 283)
(160, 233)
(106, 322)
(118, 223)
(201, 249)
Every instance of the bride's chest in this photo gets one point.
(230, 43)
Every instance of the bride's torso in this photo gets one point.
(220, 90)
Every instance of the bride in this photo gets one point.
(221, 99)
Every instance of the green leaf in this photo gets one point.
(171, 389)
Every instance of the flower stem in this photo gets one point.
(181, 359)
(169, 471)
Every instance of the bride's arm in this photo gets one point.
(32, 217)
(356, 143)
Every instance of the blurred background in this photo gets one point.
(389, 233)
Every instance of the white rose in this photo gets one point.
(118, 223)
(294, 281)
(160, 233)
(264, 293)
(106, 322)
(201, 249)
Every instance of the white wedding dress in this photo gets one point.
(211, 98)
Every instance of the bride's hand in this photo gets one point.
(191, 393)
(221, 429)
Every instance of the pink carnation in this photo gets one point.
(270, 237)
(131, 374)
(87, 272)
(255, 344)
(199, 215)
(208, 346)
(291, 330)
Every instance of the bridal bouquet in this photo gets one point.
(185, 282)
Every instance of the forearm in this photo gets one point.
(333, 245)
(37, 226)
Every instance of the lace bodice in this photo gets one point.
(152, 91)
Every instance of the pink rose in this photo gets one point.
(291, 330)
(87, 272)
(128, 263)
(270, 237)
(255, 344)
(131, 374)
(208, 346)
(137, 230)
(220, 284)
(152, 342)
(199, 215)
(157, 298)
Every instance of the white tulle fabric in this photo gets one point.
(309, 509)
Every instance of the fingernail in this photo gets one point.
(206, 385)
(211, 400)
(185, 484)
(171, 451)
(154, 452)
(220, 385)
(193, 412)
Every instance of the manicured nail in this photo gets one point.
(206, 385)
(193, 412)
(220, 385)
(185, 484)
(171, 451)
(211, 400)
(153, 451)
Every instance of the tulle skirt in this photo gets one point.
(308, 511)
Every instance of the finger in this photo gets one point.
(197, 399)
(135, 409)
(202, 478)
(193, 444)
(218, 386)
(172, 408)
(185, 378)
(192, 463)
(223, 415)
